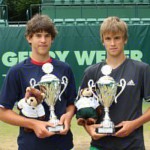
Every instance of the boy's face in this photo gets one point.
(40, 43)
(114, 43)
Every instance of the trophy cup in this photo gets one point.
(106, 94)
(51, 85)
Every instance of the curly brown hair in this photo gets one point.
(39, 23)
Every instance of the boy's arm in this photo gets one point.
(127, 127)
(39, 127)
(66, 118)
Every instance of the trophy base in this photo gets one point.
(105, 130)
(56, 128)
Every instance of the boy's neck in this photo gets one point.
(39, 58)
(41, 62)
(115, 62)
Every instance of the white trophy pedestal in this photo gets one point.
(107, 128)
(56, 128)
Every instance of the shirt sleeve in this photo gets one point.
(10, 89)
(146, 83)
(86, 77)
(70, 91)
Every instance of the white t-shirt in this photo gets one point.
(85, 102)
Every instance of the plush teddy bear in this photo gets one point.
(31, 106)
(87, 108)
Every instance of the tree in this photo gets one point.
(17, 9)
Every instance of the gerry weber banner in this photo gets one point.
(80, 46)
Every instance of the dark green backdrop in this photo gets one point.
(80, 46)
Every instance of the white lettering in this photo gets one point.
(62, 55)
(22, 56)
(136, 55)
(9, 59)
(84, 57)
(52, 54)
(100, 56)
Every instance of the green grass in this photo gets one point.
(9, 133)
(146, 105)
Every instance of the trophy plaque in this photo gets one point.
(106, 94)
(51, 85)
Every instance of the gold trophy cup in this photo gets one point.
(106, 93)
(51, 85)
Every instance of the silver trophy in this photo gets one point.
(51, 85)
(106, 94)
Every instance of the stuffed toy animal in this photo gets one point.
(87, 108)
(31, 106)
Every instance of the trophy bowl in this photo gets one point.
(106, 89)
(106, 94)
(51, 86)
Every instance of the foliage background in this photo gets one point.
(17, 9)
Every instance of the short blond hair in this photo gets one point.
(113, 25)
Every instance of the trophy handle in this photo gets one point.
(90, 86)
(122, 85)
(33, 82)
(79, 93)
(65, 83)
